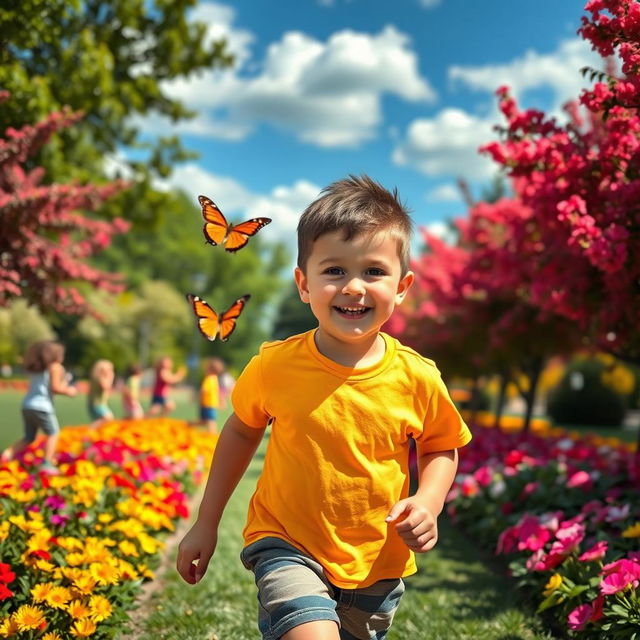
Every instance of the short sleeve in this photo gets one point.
(443, 426)
(247, 396)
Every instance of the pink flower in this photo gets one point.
(619, 575)
(579, 617)
(597, 552)
(484, 476)
(531, 535)
(579, 479)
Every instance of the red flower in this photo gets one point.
(4, 592)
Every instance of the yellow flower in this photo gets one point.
(74, 558)
(128, 549)
(28, 617)
(78, 609)
(85, 583)
(83, 628)
(8, 627)
(40, 592)
(100, 608)
(58, 597)
(4, 530)
(52, 635)
(554, 582)
(69, 543)
(105, 517)
(104, 573)
(632, 532)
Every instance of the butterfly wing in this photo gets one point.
(206, 316)
(239, 234)
(229, 317)
(216, 226)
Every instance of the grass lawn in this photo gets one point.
(458, 593)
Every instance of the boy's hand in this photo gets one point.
(195, 551)
(415, 523)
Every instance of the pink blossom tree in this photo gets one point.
(45, 238)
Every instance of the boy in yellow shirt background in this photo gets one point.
(331, 530)
(210, 393)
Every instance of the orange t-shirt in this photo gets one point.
(337, 459)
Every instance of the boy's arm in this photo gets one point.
(57, 381)
(234, 450)
(417, 516)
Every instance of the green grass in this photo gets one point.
(457, 594)
(72, 411)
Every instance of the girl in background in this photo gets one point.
(100, 385)
(43, 361)
(165, 379)
(131, 393)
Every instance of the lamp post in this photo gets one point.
(198, 283)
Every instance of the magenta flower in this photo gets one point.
(531, 535)
(55, 502)
(579, 617)
(619, 575)
(597, 552)
(59, 519)
(580, 479)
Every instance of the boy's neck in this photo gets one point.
(357, 355)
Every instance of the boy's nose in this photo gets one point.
(354, 286)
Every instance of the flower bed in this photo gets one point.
(565, 511)
(76, 547)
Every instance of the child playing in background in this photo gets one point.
(131, 393)
(210, 393)
(43, 361)
(331, 529)
(165, 378)
(100, 385)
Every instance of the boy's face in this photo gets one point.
(353, 285)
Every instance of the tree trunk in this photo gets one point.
(504, 383)
(530, 397)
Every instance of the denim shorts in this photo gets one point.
(34, 420)
(293, 589)
(208, 413)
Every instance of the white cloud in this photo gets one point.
(445, 193)
(327, 93)
(558, 71)
(447, 145)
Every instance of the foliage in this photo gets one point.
(293, 316)
(45, 242)
(565, 511)
(585, 395)
(20, 325)
(581, 181)
(76, 547)
(121, 57)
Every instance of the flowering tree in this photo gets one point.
(44, 240)
(582, 182)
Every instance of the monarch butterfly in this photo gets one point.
(210, 323)
(218, 231)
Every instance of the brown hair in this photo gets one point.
(356, 205)
(41, 354)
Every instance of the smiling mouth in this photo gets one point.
(353, 312)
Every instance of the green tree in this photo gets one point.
(20, 325)
(111, 60)
(293, 316)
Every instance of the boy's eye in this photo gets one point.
(375, 271)
(334, 271)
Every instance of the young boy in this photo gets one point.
(210, 394)
(331, 530)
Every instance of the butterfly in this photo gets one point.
(218, 231)
(210, 323)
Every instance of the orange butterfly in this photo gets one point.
(210, 323)
(218, 231)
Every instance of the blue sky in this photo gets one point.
(400, 90)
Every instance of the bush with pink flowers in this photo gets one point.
(565, 512)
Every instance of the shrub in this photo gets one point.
(583, 398)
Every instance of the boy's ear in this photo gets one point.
(301, 283)
(404, 285)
